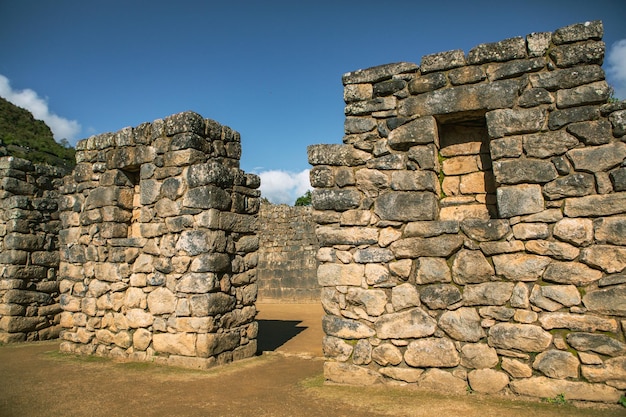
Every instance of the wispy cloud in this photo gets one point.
(616, 68)
(283, 187)
(28, 99)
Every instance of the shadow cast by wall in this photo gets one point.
(275, 333)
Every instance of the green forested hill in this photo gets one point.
(24, 137)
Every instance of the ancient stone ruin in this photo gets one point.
(29, 257)
(158, 245)
(470, 232)
(472, 224)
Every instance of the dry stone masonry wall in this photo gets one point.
(158, 245)
(29, 257)
(287, 270)
(472, 224)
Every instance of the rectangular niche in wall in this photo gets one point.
(468, 185)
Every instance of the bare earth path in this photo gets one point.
(35, 380)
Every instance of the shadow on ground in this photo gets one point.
(275, 333)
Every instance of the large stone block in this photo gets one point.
(413, 323)
(420, 131)
(543, 387)
(406, 206)
(519, 199)
(487, 381)
(520, 266)
(505, 122)
(611, 301)
(337, 200)
(524, 337)
(345, 328)
(440, 296)
(432, 353)
(415, 247)
(462, 324)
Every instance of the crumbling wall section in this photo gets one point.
(158, 245)
(29, 258)
(471, 226)
(287, 270)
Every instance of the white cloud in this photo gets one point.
(283, 187)
(29, 100)
(616, 68)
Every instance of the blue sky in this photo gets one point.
(269, 69)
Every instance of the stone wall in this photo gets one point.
(158, 245)
(471, 226)
(287, 270)
(29, 257)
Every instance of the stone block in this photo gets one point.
(581, 53)
(560, 118)
(611, 301)
(406, 206)
(524, 337)
(594, 93)
(520, 199)
(505, 122)
(414, 247)
(508, 49)
(488, 293)
(345, 328)
(488, 381)
(427, 82)
(431, 353)
(337, 200)
(442, 61)
(417, 132)
(343, 373)
(440, 296)
(441, 381)
(462, 324)
(578, 32)
(471, 267)
(609, 258)
(412, 323)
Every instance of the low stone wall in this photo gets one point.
(29, 257)
(287, 270)
(471, 225)
(158, 245)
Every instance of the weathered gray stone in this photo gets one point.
(569, 55)
(329, 235)
(485, 230)
(516, 368)
(594, 93)
(610, 230)
(404, 296)
(386, 354)
(504, 122)
(488, 293)
(414, 181)
(611, 301)
(578, 32)
(358, 124)
(442, 61)
(613, 369)
(471, 267)
(427, 82)
(430, 228)
(343, 373)
(519, 199)
(366, 107)
(406, 206)
(598, 158)
(618, 120)
(373, 255)
(497, 313)
(543, 387)
(336, 348)
(331, 274)
(362, 353)
(577, 322)
(345, 328)
(596, 205)
(524, 337)
(574, 185)
(520, 266)
(508, 49)
(378, 73)
(609, 258)
(514, 68)
(574, 273)
(544, 145)
(388, 87)
(557, 250)
(591, 133)
(432, 270)
(534, 97)
(438, 380)
(338, 200)
(560, 118)
(409, 375)
(495, 95)
(440, 296)
(413, 323)
(487, 381)
(373, 301)
(618, 179)
(478, 356)
(431, 352)
(496, 248)
(462, 324)
(524, 171)
(415, 247)
(598, 343)
(336, 155)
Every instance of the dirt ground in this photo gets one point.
(36, 380)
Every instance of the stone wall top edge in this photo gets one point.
(534, 44)
(13, 162)
(168, 127)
